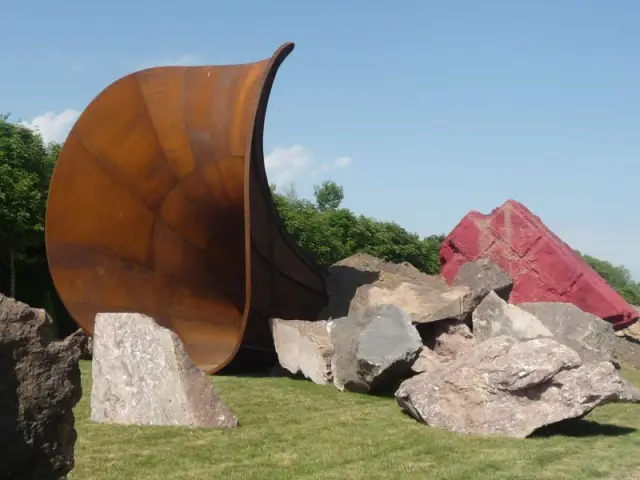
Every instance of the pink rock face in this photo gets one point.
(543, 267)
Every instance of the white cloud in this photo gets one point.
(338, 163)
(54, 127)
(284, 165)
(186, 59)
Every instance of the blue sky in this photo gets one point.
(432, 108)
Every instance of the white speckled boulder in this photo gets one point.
(508, 387)
(142, 375)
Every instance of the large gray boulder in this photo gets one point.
(304, 347)
(482, 277)
(39, 386)
(142, 375)
(590, 336)
(361, 280)
(373, 349)
(511, 388)
(494, 317)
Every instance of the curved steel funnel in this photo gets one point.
(159, 204)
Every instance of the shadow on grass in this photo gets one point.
(388, 391)
(582, 428)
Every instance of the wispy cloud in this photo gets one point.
(54, 127)
(284, 165)
(337, 164)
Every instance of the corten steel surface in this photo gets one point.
(159, 204)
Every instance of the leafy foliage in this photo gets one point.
(329, 195)
(330, 233)
(618, 277)
(26, 165)
(25, 169)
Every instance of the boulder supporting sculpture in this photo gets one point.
(143, 376)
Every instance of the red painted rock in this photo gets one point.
(543, 267)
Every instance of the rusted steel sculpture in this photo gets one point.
(159, 204)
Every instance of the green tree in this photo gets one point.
(25, 170)
(619, 277)
(329, 195)
(329, 233)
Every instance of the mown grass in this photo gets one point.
(295, 429)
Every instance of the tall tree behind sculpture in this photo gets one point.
(619, 277)
(25, 168)
(329, 195)
(330, 233)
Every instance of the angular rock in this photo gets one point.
(544, 268)
(482, 277)
(512, 388)
(39, 386)
(632, 332)
(304, 347)
(627, 352)
(83, 342)
(344, 279)
(590, 336)
(142, 375)
(362, 280)
(373, 349)
(363, 264)
(429, 301)
(447, 338)
(427, 359)
(494, 317)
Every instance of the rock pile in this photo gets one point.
(459, 356)
(40, 385)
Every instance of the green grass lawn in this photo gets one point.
(295, 429)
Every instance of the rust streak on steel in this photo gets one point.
(159, 204)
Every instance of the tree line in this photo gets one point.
(323, 228)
